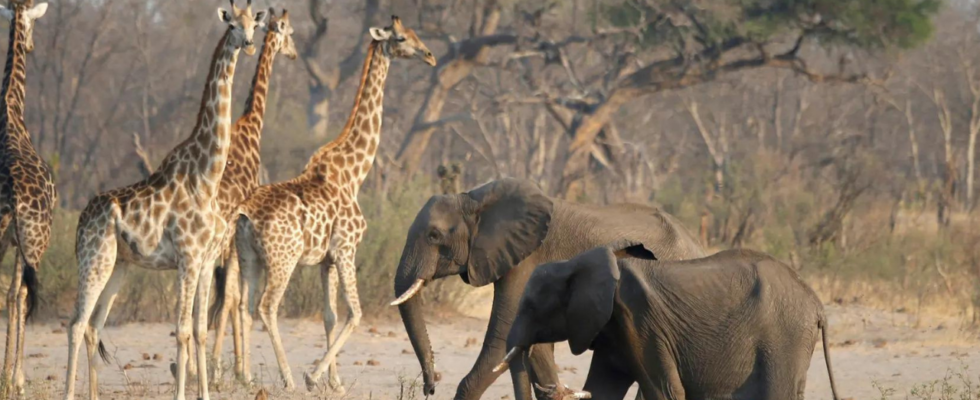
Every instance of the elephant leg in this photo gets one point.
(506, 295)
(605, 379)
(542, 369)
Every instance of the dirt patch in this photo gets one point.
(868, 347)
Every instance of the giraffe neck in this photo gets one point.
(15, 75)
(349, 157)
(255, 103)
(208, 145)
(8, 67)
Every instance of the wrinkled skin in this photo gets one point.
(735, 325)
(497, 234)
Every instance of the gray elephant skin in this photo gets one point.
(735, 325)
(498, 233)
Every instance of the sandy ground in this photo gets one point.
(869, 348)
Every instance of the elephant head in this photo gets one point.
(570, 300)
(479, 235)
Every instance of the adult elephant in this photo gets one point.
(498, 233)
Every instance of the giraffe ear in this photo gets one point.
(380, 34)
(6, 13)
(260, 18)
(38, 11)
(225, 16)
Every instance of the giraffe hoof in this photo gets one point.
(310, 382)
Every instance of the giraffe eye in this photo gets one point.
(400, 39)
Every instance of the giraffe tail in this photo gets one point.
(220, 286)
(30, 282)
(103, 353)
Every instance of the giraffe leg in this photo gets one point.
(232, 302)
(96, 261)
(229, 307)
(328, 276)
(344, 257)
(201, 327)
(189, 275)
(19, 378)
(13, 322)
(94, 347)
(249, 281)
(276, 282)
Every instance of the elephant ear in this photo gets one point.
(511, 218)
(591, 293)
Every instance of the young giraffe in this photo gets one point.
(27, 192)
(170, 219)
(241, 179)
(314, 219)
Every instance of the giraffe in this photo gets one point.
(241, 179)
(27, 192)
(170, 219)
(314, 218)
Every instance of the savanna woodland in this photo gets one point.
(837, 135)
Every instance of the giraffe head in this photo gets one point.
(282, 32)
(242, 23)
(402, 42)
(30, 14)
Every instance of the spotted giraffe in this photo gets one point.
(170, 219)
(314, 219)
(27, 192)
(241, 179)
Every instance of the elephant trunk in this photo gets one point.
(411, 312)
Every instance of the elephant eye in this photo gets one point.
(434, 235)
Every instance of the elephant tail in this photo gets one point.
(826, 355)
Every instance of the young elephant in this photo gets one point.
(735, 325)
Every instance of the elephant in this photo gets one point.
(498, 233)
(735, 325)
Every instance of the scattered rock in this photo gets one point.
(373, 330)
(392, 334)
(57, 331)
(128, 366)
(406, 351)
(37, 355)
(941, 327)
(505, 397)
(146, 357)
(470, 342)
(879, 343)
(373, 363)
(913, 353)
(897, 374)
(358, 363)
(570, 369)
(173, 334)
(438, 376)
(51, 378)
(901, 310)
(845, 343)
(157, 357)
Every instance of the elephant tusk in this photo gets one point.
(409, 293)
(506, 362)
(581, 395)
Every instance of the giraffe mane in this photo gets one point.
(372, 47)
